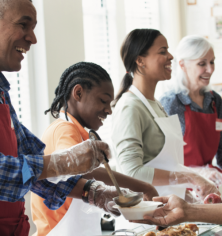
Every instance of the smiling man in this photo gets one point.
(22, 161)
(18, 20)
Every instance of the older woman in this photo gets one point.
(199, 109)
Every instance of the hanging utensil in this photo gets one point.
(130, 199)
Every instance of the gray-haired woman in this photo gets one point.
(199, 109)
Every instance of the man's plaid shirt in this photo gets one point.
(19, 175)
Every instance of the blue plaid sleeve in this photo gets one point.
(14, 183)
(55, 194)
(17, 175)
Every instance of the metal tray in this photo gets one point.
(204, 229)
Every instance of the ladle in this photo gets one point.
(128, 200)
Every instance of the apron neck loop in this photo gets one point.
(136, 91)
(213, 103)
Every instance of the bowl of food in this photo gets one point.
(137, 212)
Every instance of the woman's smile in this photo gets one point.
(168, 68)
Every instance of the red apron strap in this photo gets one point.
(213, 103)
(187, 107)
(13, 221)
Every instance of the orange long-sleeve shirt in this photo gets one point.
(59, 135)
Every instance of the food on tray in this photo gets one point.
(150, 234)
(212, 198)
(159, 228)
(181, 230)
(192, 227)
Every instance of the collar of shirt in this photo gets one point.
(186, 100)
(4, 84)
(82, 131)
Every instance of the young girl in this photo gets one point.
(82, 100)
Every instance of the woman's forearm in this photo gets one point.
(124, 181)
(161, 177)
(209, 213)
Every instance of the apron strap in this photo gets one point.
(136, 91)
(63, 117)
(213, 103)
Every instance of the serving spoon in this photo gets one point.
(128, 200)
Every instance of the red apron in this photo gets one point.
(13, 221)
(201, 137)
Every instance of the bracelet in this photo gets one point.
(92, 192)
(86, 188)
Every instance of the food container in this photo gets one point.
(137, 212)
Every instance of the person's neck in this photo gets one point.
(76, 116)
(195, 92)
(145, 86)
(197, 97)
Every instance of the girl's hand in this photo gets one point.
(102, 195)
(148, 195)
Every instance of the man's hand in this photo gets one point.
(76, 160)
(170, 214)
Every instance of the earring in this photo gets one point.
(143, 66)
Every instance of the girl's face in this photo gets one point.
(94, 105)
(198, 72)
(157, 64)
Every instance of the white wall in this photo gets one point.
(171, 20)
(60, 44)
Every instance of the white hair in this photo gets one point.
(191, 47)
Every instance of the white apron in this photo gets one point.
(75, 221)
(171, 157)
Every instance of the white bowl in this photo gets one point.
(137, 212)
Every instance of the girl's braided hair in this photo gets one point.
(86, 74)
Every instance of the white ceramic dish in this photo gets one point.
(137, 212)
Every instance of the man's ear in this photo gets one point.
(77, 92)
(140, 62)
